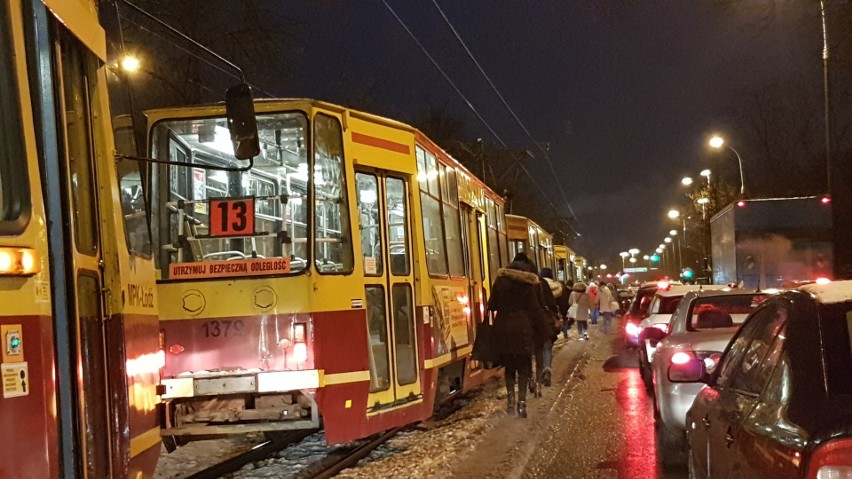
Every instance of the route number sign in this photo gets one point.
(232, 217)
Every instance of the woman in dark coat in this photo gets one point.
(515, 300)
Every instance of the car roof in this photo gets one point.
(682, 289)
(830, 293)
(725, 291)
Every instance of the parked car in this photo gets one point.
(779, 404)
(663, 305)
(701, 327)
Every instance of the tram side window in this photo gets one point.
(430, 204)
(400, 262)
(403, 327)
(134, 207)
(14, 185)
(333, 235)
(504, 241)
(278, 183)
(377, 328)
(369, 224)
(451, 221)
(78, 142)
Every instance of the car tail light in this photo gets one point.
(822, 280)
(710, 358)
(832, 460)
(826, 200)
(664, 285)
(632, 329)
(681, 357)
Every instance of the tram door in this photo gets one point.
(476, 261)
(83, 355)
(384, 224)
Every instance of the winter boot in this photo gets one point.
(545, 377)
(522, 409)
(510, 403)
(532, 385)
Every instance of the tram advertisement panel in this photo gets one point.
(450, 324)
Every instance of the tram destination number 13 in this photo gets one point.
(232, 217)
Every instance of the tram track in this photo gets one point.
(346, 456)
(256, 453)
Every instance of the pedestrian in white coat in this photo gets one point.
(607, 306)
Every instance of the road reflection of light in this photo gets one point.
(639, 456)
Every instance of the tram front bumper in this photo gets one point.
(251, 383)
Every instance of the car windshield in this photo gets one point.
(836, 324)
(722, 311)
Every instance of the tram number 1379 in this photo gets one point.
(224, 328)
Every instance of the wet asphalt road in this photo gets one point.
(602, 423)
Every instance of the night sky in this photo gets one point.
(625, 93)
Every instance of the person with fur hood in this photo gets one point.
(515, 300)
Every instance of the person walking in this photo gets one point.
(604, 302)
(584, 308)
(514, 299)
(563, 301)
(592, 291)
(552, 290)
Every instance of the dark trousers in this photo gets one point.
(582, 327)
(517, 365)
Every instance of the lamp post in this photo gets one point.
(623, 254)
(718, 142)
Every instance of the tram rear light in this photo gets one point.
(300, 352)
(19, 261)
(176, 349)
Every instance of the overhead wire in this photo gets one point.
(506, 104)
(467, 102)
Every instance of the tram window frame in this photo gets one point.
(452, 222)
(15, 201)
(345, 253)
(370, 223)
(163, 134)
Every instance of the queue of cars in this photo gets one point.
(753, 383)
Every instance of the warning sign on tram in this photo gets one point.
(232, 217)
(231, 268)
(15, 379)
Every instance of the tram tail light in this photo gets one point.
(300, 346)
(831, 460)
(19, 261)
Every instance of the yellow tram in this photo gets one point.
(526, 236)
(79, 324)
(339, 278)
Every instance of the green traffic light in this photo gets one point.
(687, 273)
(654, 258)
(15, 342)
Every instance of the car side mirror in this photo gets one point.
(653, 334)
(690, 372)
(242, 122)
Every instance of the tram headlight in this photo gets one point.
(300, 352)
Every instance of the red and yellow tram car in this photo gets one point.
(79, 323)
(337, 280)
(526, 236)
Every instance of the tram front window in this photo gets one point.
(277, 183)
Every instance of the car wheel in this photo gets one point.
(645, 370)
(671, 446)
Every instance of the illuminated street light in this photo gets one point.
(703, 201)
(633, 251)
(662, 246)
(718, 142)
(673, 232)
(623, 255)
(667, 239)
(686, 181)
(646, 257)
(130, 64)
(674, 214)
(603, 267)
(706, 174)
(659, 250)
(632, 259)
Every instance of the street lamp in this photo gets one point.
(703, 202)
(129, 63)
(673, 232)
(667, 239)
(718, 142)
(633, 251)
(603, 267)
(686, 181)
(706, 174)
(623, 254)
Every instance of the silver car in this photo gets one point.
(701, 327)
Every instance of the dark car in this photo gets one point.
(779, 404)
